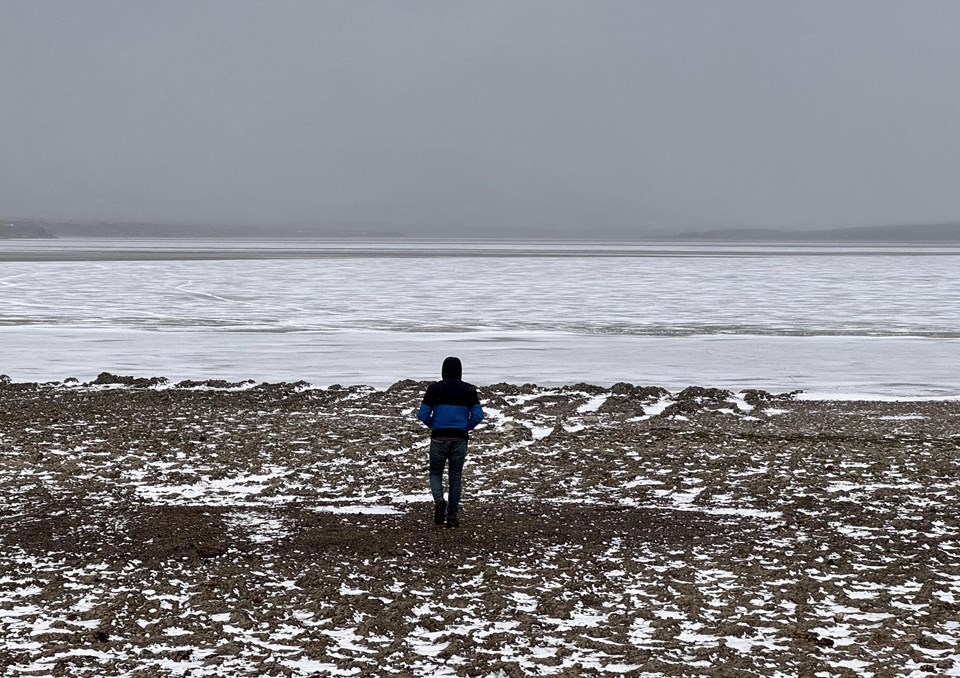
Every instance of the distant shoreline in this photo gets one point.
(226, 249)
(926, 233)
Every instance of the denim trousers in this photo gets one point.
(442, 452)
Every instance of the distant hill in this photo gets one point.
(12, 229)
(118, 229)
(124, 229)
(347, 230)
(41, 228)
(915, 233)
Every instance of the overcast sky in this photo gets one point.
(575, 115)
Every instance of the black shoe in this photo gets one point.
(439, 511)
(453, 522)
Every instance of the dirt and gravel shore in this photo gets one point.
(214, 529)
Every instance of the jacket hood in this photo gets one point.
(452, 369)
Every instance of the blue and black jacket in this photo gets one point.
(450, 407)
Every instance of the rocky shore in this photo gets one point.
(215, 528)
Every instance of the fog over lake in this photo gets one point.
(550, 119)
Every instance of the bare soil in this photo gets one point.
(239, 529)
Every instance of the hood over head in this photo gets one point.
(452, 369)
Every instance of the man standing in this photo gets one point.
(450, 408)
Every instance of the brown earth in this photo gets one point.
(151, 530)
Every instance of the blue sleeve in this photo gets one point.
(425, 414)
(475, 417)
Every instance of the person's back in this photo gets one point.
(451, 409)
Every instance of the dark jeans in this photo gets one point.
(454, 451)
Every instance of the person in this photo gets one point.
(450, 408)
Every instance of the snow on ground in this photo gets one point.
(282, 530)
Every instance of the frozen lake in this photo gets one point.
(835, 320)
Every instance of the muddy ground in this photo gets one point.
(212, 529)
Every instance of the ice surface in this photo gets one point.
(825, 367)
(834, 321)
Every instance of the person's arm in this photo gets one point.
(475, 415)
(425, 413)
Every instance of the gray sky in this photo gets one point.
(570, 115)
